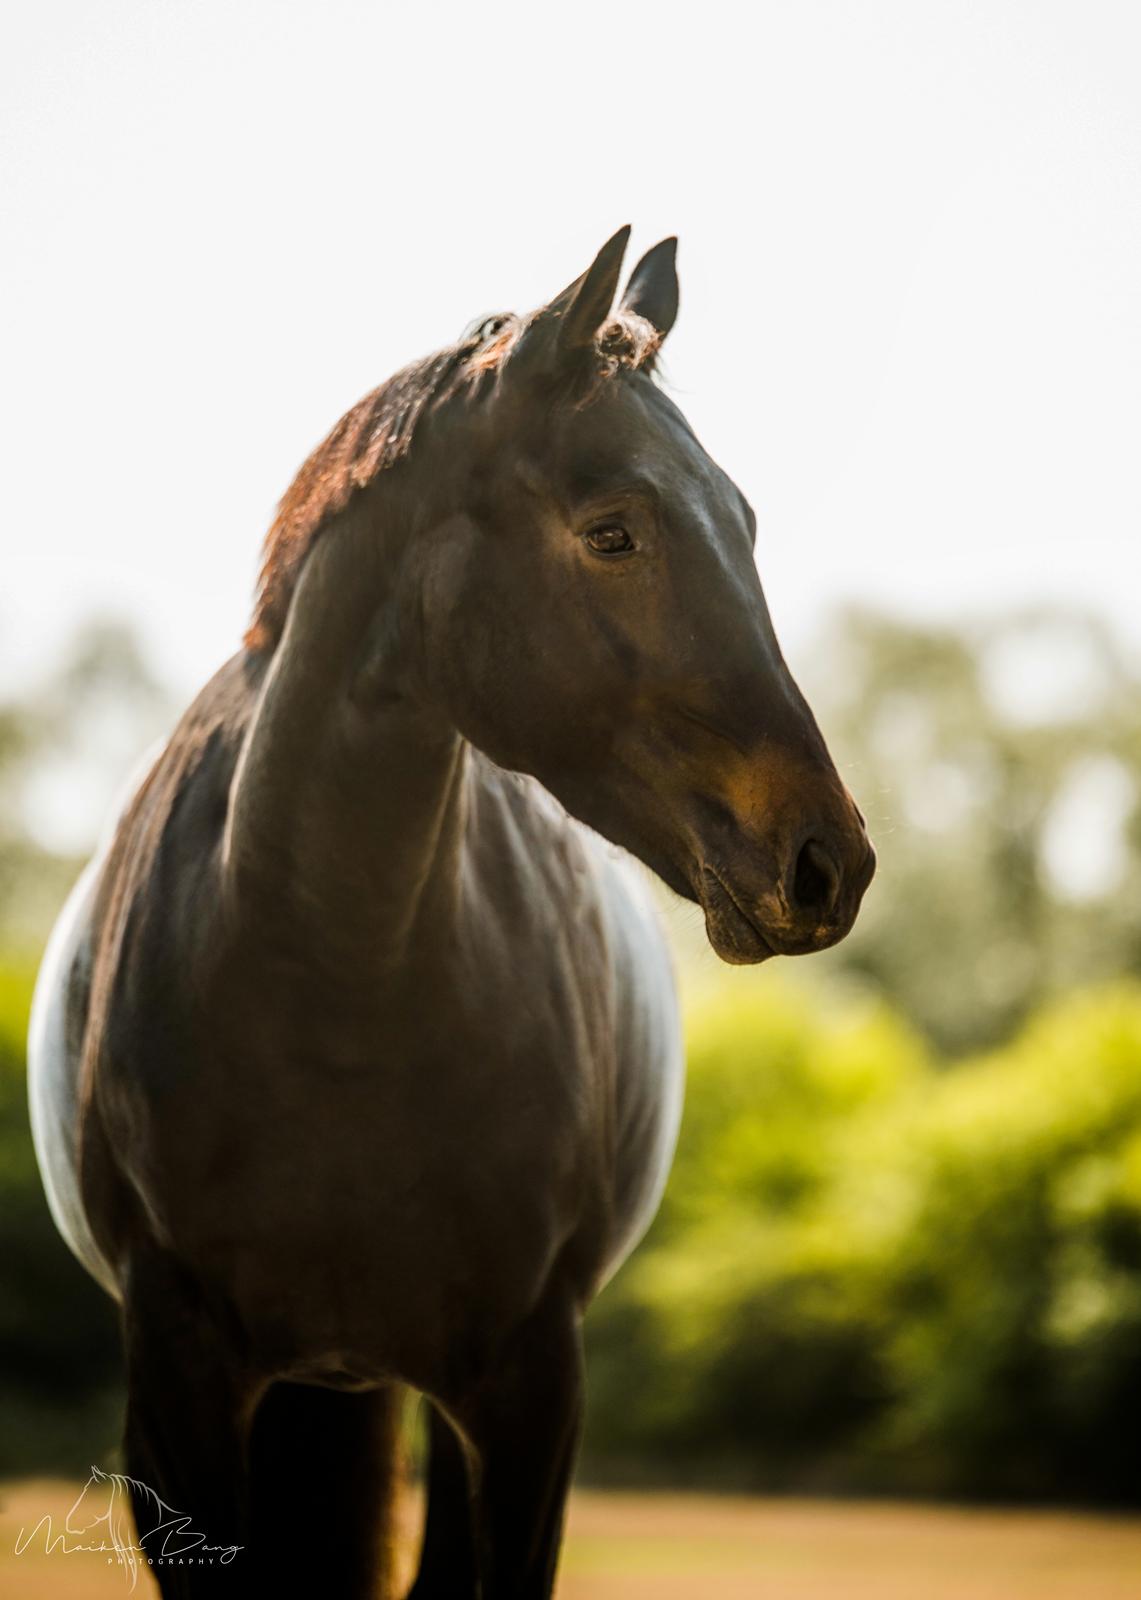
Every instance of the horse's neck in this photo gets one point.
(347, 807)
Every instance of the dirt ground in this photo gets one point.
(666, 1547)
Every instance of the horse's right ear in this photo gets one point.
(584, 305)
(560, 337)
(652, 291)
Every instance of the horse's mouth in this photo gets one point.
(734, 935)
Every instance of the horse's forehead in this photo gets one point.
(630, 428)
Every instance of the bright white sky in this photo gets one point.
(910, 258)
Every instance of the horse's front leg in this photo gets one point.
(524, 1422)
(447, 1568)
(188, 1404)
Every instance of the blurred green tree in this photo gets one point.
(66, 745)
(998, 766)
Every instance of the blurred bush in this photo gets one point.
(59, 1356)
(871, 1274)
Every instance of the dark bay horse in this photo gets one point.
(355, 1057)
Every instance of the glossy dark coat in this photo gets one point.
(355, 1059)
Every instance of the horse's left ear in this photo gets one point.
(652, 291)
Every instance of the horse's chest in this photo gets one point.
(379, 1183)
(425, 1167)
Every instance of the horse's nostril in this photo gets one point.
(816, 882)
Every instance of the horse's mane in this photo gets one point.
(378, 432)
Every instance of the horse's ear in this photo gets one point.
(584, 305)
(652, 291)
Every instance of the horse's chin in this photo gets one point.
(733, 935)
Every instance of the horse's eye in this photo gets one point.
(611, 540)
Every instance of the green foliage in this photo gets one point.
(59, 1360)
(871, 1273)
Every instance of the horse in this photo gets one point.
(355, 1059)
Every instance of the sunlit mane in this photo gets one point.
(378, 432)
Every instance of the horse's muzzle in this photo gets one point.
(806, 900)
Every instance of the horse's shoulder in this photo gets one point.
(154, 879)
(179, 806)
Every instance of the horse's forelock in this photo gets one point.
(628, 340)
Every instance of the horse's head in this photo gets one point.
(92, 1504)
(103, 1504)
(616, 644)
